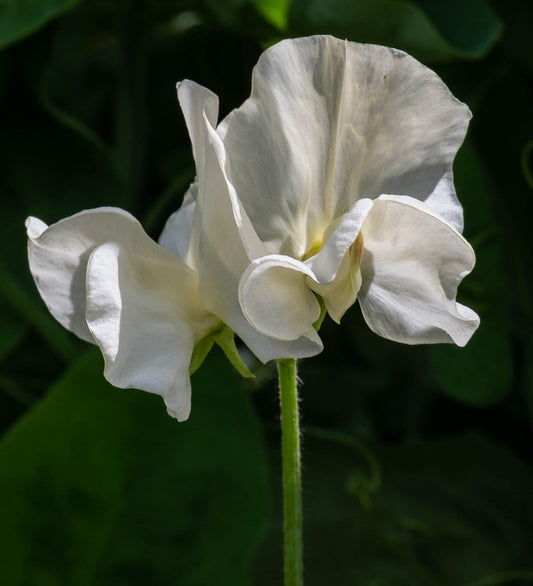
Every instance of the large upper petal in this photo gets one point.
(412, 264)
(330, 121)
(143, 311)
(224, 240)
(58, 256)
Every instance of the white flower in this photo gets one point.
(105, 280)
(333, 179)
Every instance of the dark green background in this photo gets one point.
(417, 461)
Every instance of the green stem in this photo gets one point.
(292, 489)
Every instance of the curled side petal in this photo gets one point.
(144, 313)
(58, 257)
(276, 299)
(412, 265)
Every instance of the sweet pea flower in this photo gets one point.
(105, 280)
(332, 182)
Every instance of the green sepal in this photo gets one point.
(200, 351)
(225, 338)
(323, 312)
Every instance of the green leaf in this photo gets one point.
(20, 18)
(481, 373)
(469, 25)
(99, 486)
(12, 330)
(527, 385)
(447, 512)
(276, 12)
(396, 23)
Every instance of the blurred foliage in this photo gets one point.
(483, 370)
(417, 461)
(422, 513)
(429, 29)
(131, 496)
(19, 18)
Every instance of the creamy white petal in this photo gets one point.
(143, 311)
(58, 257)
(340, 294)
(225, 240)
(412, 264)
(177, 233)
(336, 265)
(276, 299)
(331, 121)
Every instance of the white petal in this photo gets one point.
(412, 265)
(144, 313)
(336, 265)
(58, 257)
(276, 299)
(225, 240)
(221, 212)
(176, 235)
(329, 122)
(35, 227)
(276, 291)
(340, 294)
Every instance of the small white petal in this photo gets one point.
(336, 265)
(326, 262)
(276, 299)
(412, 265)
(341, 293)
(58, 257)
(143, 311)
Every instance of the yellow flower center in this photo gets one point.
(315, 247)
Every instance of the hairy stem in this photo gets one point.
(292, 490)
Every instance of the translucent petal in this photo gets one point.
(177, 233)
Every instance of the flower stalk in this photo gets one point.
(292, 489)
